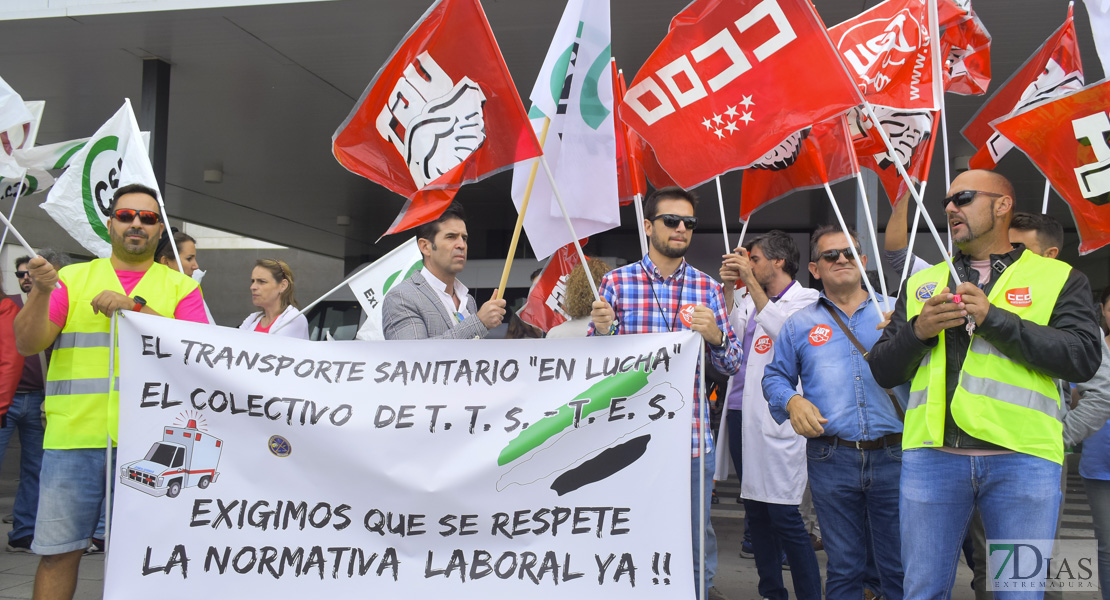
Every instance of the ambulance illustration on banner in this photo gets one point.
(184, 458)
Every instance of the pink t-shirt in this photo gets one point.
(260, 329)
(191, 307)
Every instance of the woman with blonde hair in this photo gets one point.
(579, 299)
(272, 291)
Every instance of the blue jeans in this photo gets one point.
(72, 499)
(777, 528)
(734, 420)
(854, 490)
(1018, 497)
(25, 415)
(1098, 496)
(710, 537)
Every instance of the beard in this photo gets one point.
(134, 248)
(662, 246)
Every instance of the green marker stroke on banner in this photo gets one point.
(601, 395)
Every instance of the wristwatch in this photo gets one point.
(140, 302)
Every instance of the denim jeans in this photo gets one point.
(1018, 497)
(25, 415)
(854, 490)
(1098, 496)
(710, 535)
(72, 498)
(777, 528)
(734, 420)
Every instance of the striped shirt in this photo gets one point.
(645, 302)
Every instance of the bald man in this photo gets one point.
(983, 424)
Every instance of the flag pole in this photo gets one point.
(173, 242)
(913, 190)
(913, 237)
(570, 226)
(15, 203)
(1044, 205)
(743, 232)
(500, 292)
(721, 204)
(874, 239)
(638, 201)
(938, 94)
(15, 232)
(855, 254)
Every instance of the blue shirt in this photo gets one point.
(835, 377)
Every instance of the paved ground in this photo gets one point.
(736, 577)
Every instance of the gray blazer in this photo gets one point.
(412, 311)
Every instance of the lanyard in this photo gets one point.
(670, 324)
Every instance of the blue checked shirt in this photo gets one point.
(835, 376)
(645, 302)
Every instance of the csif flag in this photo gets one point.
(441, 112)
(371, 284)
(889, 52)
(544, 307)
(574, 89)
(1055, 69)
(806, 160)
(114, 156)
(1067, 139)
(730, 81)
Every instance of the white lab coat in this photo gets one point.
(297, 328)
(774, 455)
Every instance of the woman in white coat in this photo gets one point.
(773, 456)
(272, 291)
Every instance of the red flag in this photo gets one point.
(1054, 70)
(652, 170)
(447, 81)
(913, 135)
(630, 173)
(731, 80)
(887, 49)
(966, 46)
(1067, 140)
(806, 160)
(544, 307)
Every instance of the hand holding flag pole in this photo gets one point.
(500, 292)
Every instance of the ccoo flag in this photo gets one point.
(115, 156)
(372, 284)
(575, 90)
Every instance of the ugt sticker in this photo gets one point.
(1019, 297)
(819, 335)
(686, 314)
(762, 345)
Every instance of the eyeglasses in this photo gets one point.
(127, 215)
(672, 221)
(965, 197)
(21, 274)
(834, 255)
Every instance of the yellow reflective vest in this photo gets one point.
(79, 411)
(996, 399)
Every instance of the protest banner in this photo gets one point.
(257, 466)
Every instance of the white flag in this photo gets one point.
(1099, 11)
(115, 156)
(371, 284)
(52, 157)
(34, 181)
(13, 111)
(575, 89)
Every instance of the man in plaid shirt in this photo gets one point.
(662, 293)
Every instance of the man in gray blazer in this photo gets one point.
(433, 303)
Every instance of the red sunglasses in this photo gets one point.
(127, 215)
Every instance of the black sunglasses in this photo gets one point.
(672, 221)
(834, 255)
(127, 215)
(961, 199)
(21, 274)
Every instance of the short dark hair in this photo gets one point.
(824, 230)
(668, 193)
(1048, 230)
(777, 245)
(135, 188)
(428, 231)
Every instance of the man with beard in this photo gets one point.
(983, 425)
(80, 411)
(661, 293)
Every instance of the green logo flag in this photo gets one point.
(113, 157)
(372, 284)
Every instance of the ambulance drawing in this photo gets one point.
(184, 458)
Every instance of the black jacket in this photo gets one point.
(1067, 348)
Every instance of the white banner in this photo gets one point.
(372, 283)
(259, 466)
